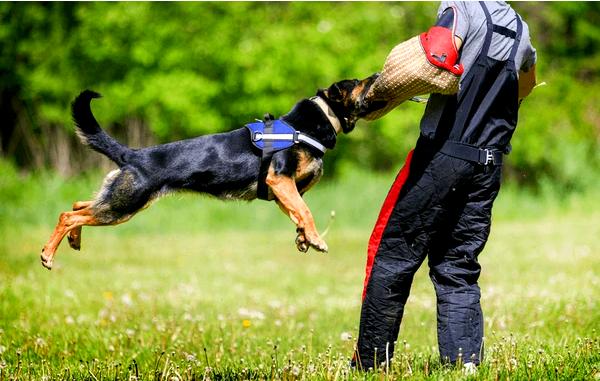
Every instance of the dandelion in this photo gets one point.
(246, 323)
(252, 314)
(108, 295)
(39, 342)
(127, 300)
(345, 336)
(295, 370)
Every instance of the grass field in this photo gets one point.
(193, 288)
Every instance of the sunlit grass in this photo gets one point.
(194, 288)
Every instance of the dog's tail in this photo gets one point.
(91, 134)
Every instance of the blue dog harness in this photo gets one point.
(271, 136)
(279, 135)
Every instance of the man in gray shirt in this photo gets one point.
(469, 31)
(440, 205)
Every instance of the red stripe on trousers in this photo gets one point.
(384, 216)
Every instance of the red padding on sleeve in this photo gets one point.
(384, 216)
(440, 49)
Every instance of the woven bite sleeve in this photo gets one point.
(407, 73)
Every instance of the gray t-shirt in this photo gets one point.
(471, 28)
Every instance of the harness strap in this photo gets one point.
(483, 156)
(262, 189)
(296, 137)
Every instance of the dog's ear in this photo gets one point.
(339, 92)
(332, 93)
(335, 92)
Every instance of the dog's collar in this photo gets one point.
(328, 111)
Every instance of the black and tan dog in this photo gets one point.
(225, 165)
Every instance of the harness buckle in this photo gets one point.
(296, 137)
(489, 157)
(256, 136)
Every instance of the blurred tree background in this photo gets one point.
(175, 70)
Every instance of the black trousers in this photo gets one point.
(442, 212)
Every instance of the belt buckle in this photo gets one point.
(489, 157)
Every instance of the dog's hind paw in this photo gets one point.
(46, 260)
(74, 243)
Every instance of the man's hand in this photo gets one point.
(527, 82)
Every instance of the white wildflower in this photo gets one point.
(39, 342)
(127, 300)
(251, 314)
(469, 368)
(296, 370)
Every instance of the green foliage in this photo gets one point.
(182, 69)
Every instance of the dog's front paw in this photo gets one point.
(319, 245)
(301, 243)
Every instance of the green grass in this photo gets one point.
(194, 288)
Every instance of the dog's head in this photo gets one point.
(346, 100)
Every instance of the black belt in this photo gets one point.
(484, 156)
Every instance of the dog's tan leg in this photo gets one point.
(301, 242)
(290, 201)
(66, 223)
(74, 236)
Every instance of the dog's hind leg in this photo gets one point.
(122, 195)
(74, 236)
(66, 223)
